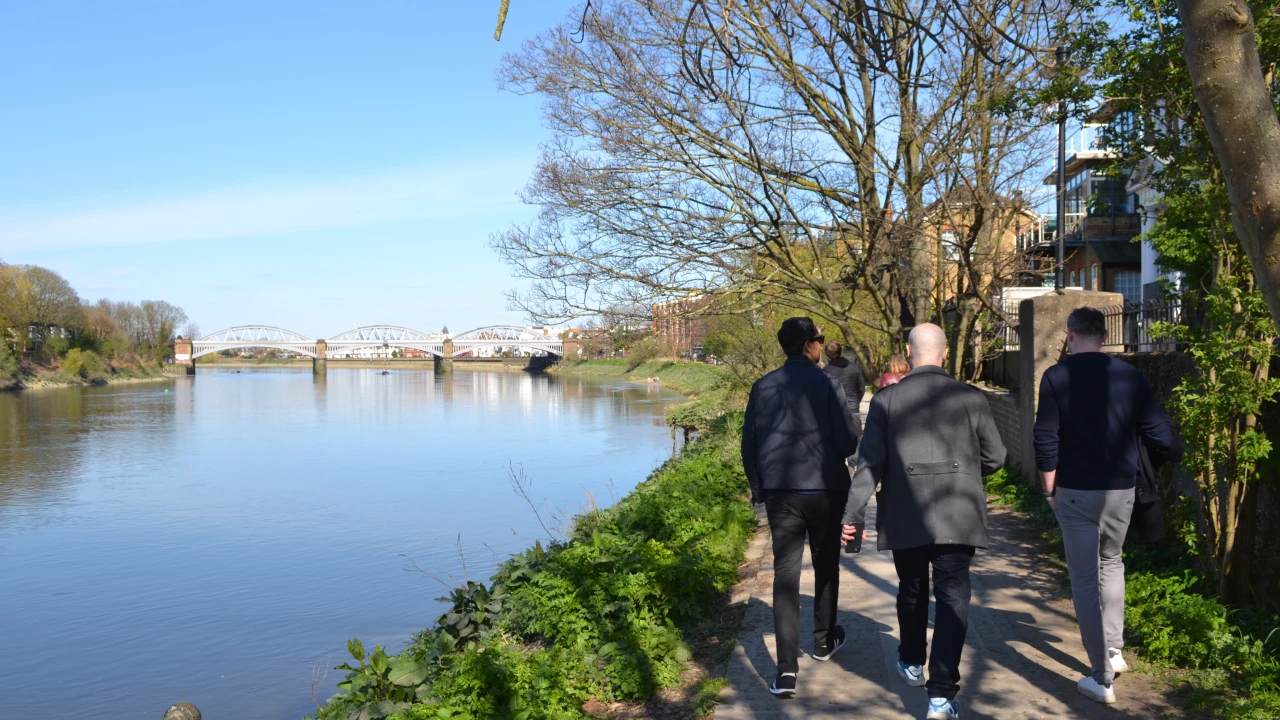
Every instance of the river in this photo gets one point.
(218, 539)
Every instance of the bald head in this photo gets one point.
(833, 350)
(926, 345)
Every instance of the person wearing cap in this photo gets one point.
(796, 439)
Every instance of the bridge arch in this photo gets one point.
(251, 336)
(389, 336)
(507, 336)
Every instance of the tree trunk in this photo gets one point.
(1226, 73)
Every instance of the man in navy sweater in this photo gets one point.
(1094, 410)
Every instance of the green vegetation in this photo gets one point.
(1225, 662)
(688, 378)
(49, 335)
(713, 389)
(609, 614)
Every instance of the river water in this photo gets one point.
(218, 539)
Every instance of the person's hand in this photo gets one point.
(850, 532)
(1053, 504)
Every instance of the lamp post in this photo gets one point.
(1063, 56)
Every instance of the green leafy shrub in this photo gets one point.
(84, 364)
(380, 685)
(1175, 624)
(601, 615)
(9, 369)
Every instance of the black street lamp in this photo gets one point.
(1063, 56)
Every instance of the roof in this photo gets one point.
(965, 197)
(1078, 161)
(1116, 252)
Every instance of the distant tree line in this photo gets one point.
(44, 321)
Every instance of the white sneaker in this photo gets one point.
(943, 709)
(913, 675)
(1090, 688)
(1117, 661)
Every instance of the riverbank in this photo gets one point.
(34, 376)
(627, 610)
(710, 388)
(687, 378)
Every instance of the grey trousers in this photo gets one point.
(1094, 523)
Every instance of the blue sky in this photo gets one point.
(311, 165)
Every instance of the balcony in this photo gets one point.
(1093, 227)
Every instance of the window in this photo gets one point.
(1129, 284)
(1075, 279)
(1093, 277)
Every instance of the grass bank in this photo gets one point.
(1225, 663)
(686, 378)
(711, 388)
(627, 606)
(42, 375)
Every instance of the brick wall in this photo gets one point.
(1009, 423)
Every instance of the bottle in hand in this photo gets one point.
(855, 545)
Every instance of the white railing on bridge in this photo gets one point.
(490, 340)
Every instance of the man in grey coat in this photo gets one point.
(927, 442)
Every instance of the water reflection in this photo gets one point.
(213, 538)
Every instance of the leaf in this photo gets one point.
(356, 648)
(407, 673)
(387, 707)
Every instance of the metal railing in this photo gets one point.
(1129, 326)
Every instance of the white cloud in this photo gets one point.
(259, 209)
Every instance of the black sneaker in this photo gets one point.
(784, 686)
(834, 644)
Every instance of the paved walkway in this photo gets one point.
(1022, 658)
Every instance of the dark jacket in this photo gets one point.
(929, 439)
(1091, 407)
(797, 432)
(1146, 525)
(850, 377)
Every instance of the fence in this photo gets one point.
(1130, 325)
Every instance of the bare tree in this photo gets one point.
(776, 154)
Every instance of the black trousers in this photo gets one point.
(793, 516)
(951, 590)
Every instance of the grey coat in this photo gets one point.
(927, 443)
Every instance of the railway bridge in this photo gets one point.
(442, 346)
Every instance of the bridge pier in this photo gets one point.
(182, 355)
(444, 364)
(318, 364)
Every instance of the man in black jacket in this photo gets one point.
(850, 376)
(929, 440)
(796, 439)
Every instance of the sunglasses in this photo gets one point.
(819, 339)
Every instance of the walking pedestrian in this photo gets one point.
(849, 373)
(1092, 408)
(796, 439)
(928, 441)
(897, 369)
